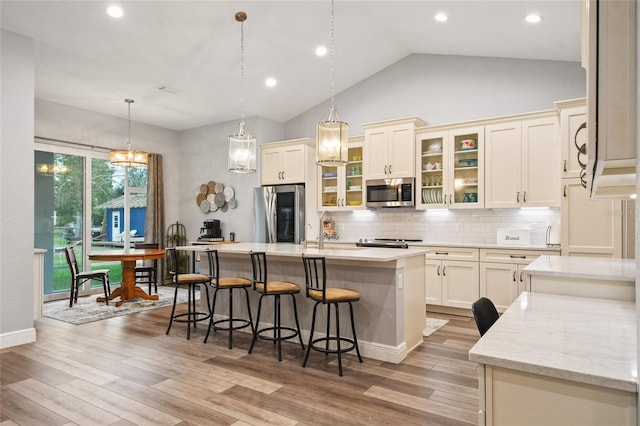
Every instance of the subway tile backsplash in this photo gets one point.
(443, 226)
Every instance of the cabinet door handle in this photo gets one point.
(283, 175)
(518, 197)
(564, 191)
(450, 198)
(445, 199)
(444, 271)
(517, 256)
(442, 252)
(438, 272)
(524, 196)
(521, 274)
(565, 165)
(514, 276)
(389, 168)
(385, 169)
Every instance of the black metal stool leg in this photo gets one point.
(212, 309)
(173, 310)
(257, 326)
(353, 330)
(313, 326)
(338, 339)
(230, 316)
(295, 314)
(246, 293)
(278, 330)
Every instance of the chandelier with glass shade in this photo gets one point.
(242, 145)
(128, 157)
(332, 135)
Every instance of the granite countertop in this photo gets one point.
(463, 245)
(368, 254)
(579, 339)
(584, 267)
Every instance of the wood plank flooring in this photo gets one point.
(126, 371)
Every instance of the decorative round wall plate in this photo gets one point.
(203, 189)
(213, 208)
(211, 187)
(211, 198)
(219, 188)
(200, 198)
(224, 207)
(219, 200)
(229, 193)
(204, 206)
(233, 203)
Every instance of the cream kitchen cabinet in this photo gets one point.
(609, 53)
(389, 148)
(573, 137)
(522, 162)
(342, 188)
(287, 162)
(448, 174)
(451, 277)
(502, 278)
(590, 227)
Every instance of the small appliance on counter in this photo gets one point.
(386, 242)
(211, 231)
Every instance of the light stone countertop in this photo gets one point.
(579, 339)
(584, 267)
(463, 245)
(367, 254)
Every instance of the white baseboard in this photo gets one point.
(15, 338)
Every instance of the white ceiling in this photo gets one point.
(88, 60)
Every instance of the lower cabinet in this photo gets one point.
(502, 276)
(451, 277)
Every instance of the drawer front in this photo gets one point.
(452, 253)
(523, 257)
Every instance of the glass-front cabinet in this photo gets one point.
(451, 168)
(342, 188)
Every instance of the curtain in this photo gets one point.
(154, 228)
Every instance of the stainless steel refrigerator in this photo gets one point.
(278, 214)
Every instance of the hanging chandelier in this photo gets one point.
(242, 145)
(128, 157)
(332, 134)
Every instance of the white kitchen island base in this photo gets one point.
(390, 315)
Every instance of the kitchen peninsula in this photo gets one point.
(390, 315)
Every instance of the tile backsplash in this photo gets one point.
(443, 226)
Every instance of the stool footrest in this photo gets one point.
(351, 345)
(191, 317)
(244, 323)
(293, 333)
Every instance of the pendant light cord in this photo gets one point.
(242, 70)
(129, 102)
(333, 42)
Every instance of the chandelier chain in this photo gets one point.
(242, 71)
(333, 42)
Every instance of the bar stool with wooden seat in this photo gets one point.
(274, 289)
(315, 272)
(230, 284)
(179, 279)
(147, 272)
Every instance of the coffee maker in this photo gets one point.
(211, 231)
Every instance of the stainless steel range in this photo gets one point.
(387, 242)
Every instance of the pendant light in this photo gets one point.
(242, 145)
(332, 135)
(128, 157)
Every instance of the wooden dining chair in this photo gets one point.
(78, 278)
(147, 271)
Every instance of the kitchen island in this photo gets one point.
(390, 315)
(559, 360)
(598, 277)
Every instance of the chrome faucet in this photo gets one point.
(321, 231)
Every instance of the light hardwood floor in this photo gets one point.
(125, 371)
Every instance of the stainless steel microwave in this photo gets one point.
(390, 192)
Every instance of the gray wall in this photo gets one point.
(16, 190)
(446, 89)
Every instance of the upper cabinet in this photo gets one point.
(287, 162)
(341, 188)
(609, 53)
(389, 148)
(450, 168)
(522, 162)
(573, 137)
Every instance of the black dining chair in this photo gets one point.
(485, 314)
(78, 278)
(147, 271)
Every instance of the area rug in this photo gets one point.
(88, 310)
(433, 325)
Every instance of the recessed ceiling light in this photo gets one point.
(115, 11)
(321, 51)
(533, 18)
(441, 17)
(270, 82)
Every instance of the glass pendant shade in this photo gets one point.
(128, 158)
(332, 138)
(242, 152)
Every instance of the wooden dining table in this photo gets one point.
(128, 289)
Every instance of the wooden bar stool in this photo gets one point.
(315, 273)
(274, 289)
(192, 316)
(230, 284)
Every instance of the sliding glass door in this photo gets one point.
(79, 203)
